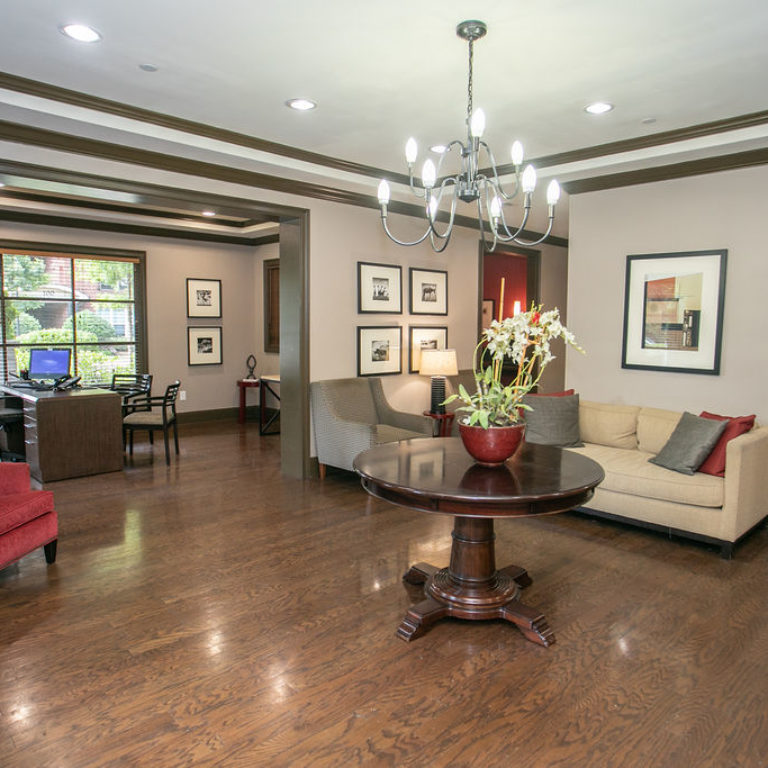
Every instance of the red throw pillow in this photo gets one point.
(564, 393)
(714, 464)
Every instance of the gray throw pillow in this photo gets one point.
(690, 443)
(553, 420)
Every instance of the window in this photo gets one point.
(91, 302)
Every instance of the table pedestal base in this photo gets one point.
(472, 588)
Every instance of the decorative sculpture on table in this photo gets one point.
(251, 364)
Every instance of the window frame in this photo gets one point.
(73, 252)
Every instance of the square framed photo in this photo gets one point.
(378, 350)
(203, 297)
(421, 338)
(428, 291)
(673, 311)
(204, 346)
(379, 289)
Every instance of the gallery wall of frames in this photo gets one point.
(380, 292)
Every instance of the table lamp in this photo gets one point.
(438, 363)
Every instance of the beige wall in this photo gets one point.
(723, 210)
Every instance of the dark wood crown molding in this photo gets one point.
(99, 104)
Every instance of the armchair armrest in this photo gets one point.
(746, 458)
(14, 477)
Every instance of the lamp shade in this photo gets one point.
(438, 362)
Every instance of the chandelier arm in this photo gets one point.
(421, 193)
(481, 226)
(512, 236)
(394, 239)
(445, 154)
(542, 238)
(440, 248)
(446, 235)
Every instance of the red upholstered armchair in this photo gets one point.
(27, 518)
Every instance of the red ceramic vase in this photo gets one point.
(493, 446)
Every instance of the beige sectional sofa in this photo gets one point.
(621, 438)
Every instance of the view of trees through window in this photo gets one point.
(86, 304)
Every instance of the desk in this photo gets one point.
(71, 433)
(438, 475)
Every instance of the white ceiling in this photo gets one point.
(381, 72)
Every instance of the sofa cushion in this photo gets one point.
(654, 426)
(629, 472)
(553, 420)
(605, 424)
(689, 444)
(714, 464)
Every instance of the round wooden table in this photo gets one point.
(438, 475)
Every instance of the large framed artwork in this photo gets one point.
(203, 297)
(378, 350)
(428, 291)
(673, 311)
(379, 289)
(204, 346)
(421, 338)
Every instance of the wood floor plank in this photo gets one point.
(214, 613)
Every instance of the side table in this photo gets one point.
(445, 422)
(243, 384)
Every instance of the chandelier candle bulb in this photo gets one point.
(553, 193)
(517, 154)
(428, 174)
(529, 179)
(411, 151)
(477, 125)
(383, 192)
(495, 208)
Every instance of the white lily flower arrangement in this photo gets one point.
(525, 340)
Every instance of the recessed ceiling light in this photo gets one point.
(599, 108)
(148, 67)
(302, 105)
(209, 213)
(80, 32)
(439, 149)
(648, 120)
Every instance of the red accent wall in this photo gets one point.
(515, 270)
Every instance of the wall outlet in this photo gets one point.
(182, 394)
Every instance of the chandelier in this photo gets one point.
(471, 183)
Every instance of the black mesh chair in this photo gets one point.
(150, 414)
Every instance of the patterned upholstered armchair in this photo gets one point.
(352, 415)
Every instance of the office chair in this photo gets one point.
(131, 385)
(153, 413)
(12, 424)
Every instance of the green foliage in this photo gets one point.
(24, 323)
(23, 273)
(89, 322)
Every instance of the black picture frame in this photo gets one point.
(379, 350)
(204, 345)
(203, 297)
(673, 311)
(379, 289)
(428, 291)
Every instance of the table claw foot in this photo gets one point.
(419, 573)
(519, 575)
(530, 622)
(419, 618)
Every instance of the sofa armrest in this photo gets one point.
(14, 477)
(745, 505)
(341, 441)
(413, 422)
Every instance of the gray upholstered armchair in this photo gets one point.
(352, 415)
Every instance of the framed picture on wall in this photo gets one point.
(421, 338)
(379, 289)
(428, 291)
(378, 350)
(489, 312)
(673, 311)
(203, 297)
(204, 346)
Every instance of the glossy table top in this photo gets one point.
(438, 475)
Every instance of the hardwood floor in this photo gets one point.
(216, 614)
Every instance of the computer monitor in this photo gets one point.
(49, 363)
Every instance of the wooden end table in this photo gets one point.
(244, 384)
(438, 475)
(444, 420)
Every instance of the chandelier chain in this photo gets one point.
(469, 83)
